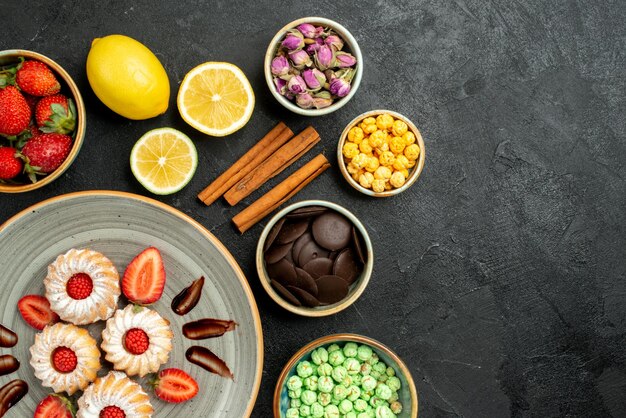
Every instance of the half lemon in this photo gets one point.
(164, 160)
(216, 98)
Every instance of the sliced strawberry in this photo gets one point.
(144, 278)
(35, 309)
(174, 385)
(112, 411)
(54, 406)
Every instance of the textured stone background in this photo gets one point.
(500, 276)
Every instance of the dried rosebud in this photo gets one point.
(293, 41)
(330, 75)
(304, 100)
(281, 85)
(324, 57)
(340, 87)
(320, 103)
(324, 94)
(280, 65)
(300, 58)
(307, 30)
(314, 78)
(344, 60)
(314, 46)
(296, 85)
(345, 73)
(334, 41)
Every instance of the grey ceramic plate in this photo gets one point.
(120, 225)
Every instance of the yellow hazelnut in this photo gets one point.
(355, 135)
(397, 179)
(411, 164)
(399, 128)
(387, 158)
(401, 162)
(409, 138)
(352, 168)
(365, 146)
(382, 173)
(378, 185)
(372, 164)
(350, 150)
(366, 180)
(377, 138)
(405, 173)
(396, 144)
(360, 160)
(384, 121)
(412, 152)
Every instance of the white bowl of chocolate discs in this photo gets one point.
(314, 258)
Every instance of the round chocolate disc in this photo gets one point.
(273, 234)
(305, 297)
(331, 289)
(310, 251)
(291, 231)
(346, 266)
(282, 271)
(299, 243)
(286, 294)
(318, 267)
(276, 252)
(306, 212)
(332, 231)
(305, 282)
(358, 245)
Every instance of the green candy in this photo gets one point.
(310, 383)
(364, 353)
(305, 410)
(396, 407)
(383, 391)
(292, 413)
(350, 349)
(350, 414)
(319, 356)
(363, 415)
(368, 383)
(304, 369)
(345, 406)
(331, 411)
(294, 383)
(347, 381)
(383, 378)
(375, 374)
(339, 373)
(373, 360)
(380, 367)
(336, 358)
(352, 365)
(394, 383)
(294, 394)
(390, 371)
(295, 403)
(366, 369)
(317, 410)
(325, 384)
(333, 347)
(340, 392)
(324, 369)
(354, 393)
(308, 397)
(377, 401)
(335, 402)
(384, 412)
(366, 395)
(360, 405)
(357, 379)
(394, 397)
(324, 398)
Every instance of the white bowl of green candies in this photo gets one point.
(345, 376)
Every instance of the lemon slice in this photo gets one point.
(163, 160)
(216, 98)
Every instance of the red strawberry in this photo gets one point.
(54, 406)
(174, 385)
(56, 114)
(46, 152)
(35, 309)
(14, 111)
(79, 286)
(144, 278)
(64, 359)
(112, 411)
(36, 78)
(10, 164)
(136, 341)
(31, 100)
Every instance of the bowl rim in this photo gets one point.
(415, 171)
(80, 126)
(348, 39)
(361, 283)
(340, 337)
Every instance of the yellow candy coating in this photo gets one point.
(350, 150)
(368, 129)
(396, 144)
(409, 138)
(360, 160)
(366, 180)
(377, 138)
(352, 168)
(397, 179)
(384, 121)
(405, 173)
(411, 164)
(382, 173)
(356, 135)
(387, 158)
(365, 146)
(401, 162)
(372, 164)
(399, 128)
(388, 186)
(378, 185)
(412, 152)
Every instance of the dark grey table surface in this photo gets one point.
(500, 276)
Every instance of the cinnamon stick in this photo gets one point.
(276, 163)
(245, 219)
(273, 140)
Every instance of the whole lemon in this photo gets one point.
(127, 77)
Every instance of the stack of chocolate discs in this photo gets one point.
(313, 255)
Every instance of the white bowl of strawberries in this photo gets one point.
(42, 120)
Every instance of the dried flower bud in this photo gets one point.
(344, 60)
(324, 57)
(314, 46)
(334, 41)
(314, 78)
(304, 100)
(296, 85)
(293, 41)
(324, 94)
(339, 87)
(281, 85)
(345, 73)
(320, 103)
(307, 30)
(300, 58)
(280, 66)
